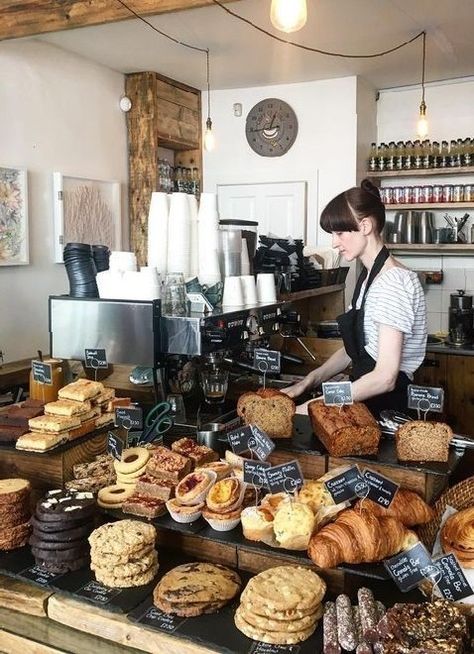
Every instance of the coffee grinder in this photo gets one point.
(461, 316)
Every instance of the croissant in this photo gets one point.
(457, 536)
(406, 506)
(358, 536)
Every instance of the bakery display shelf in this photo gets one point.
(59, 449)
(164, 522)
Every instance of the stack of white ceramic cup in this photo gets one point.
(208, 237)
(158, 232)
(179, 234)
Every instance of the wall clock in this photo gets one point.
(271, 127)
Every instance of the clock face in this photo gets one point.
(271, 127)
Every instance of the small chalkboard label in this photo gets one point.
(157, 619)
(425, 398)
(96, 359)
(259, 443)
(133, 438)
(452, 584)
(129, 418)
(337, 393)
(266, 360)
(114, 445)
(239, 439)
(284, 478)
(268, 648)
(381, 489)
(411, 567)
(97, 592)
(342, 487)
(254, 472)
(42, 372)
(39, 575)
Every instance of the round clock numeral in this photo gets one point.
(271, 127)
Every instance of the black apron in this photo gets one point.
(351, 326)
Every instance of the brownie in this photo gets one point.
(58, 525)
(143, 505)
(159, 489)
(24, 412)
(10, 434)
(30, 402)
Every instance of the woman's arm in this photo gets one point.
(336, 363)
(383, 377)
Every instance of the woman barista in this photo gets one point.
(384, 331)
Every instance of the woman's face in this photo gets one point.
(350, 244)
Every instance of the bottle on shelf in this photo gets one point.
(468, 152)
(427, 154)
(381, 157)
(459, 157)
(418, 154)
(444, 155)
(409, 156)
(435, 154)
(400, 155)
(391, 155)
(453, 153)
(372, 166)
(196, 184)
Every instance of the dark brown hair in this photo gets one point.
(347, 209)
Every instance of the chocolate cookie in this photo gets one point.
(65, 504)
(66, 566)
(59, 556)
(58, 526)
(64, 536)
(37, 542)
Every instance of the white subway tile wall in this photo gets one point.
(434, 321)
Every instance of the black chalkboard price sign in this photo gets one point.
(157, 619)
(337, 393)
(452, 583)
(39, 575)
(425, 398)
(347, 485)
(411, 567)
(239, 439)
(129, 418)
(266, 360)
(284, 478)
(98, 593)
(42, 372)
(259, 443)
(114, 445)
(381, 489)
(255, 472)
(268, 648)
(96, 358)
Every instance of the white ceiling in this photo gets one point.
(241, 56)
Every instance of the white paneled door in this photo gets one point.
(279, 207)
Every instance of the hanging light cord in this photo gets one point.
(208, 77)
(423, 70)
(317, 50)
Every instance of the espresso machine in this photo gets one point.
(461, 316)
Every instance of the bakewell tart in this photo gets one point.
(193, 488)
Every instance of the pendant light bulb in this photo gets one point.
(288, 15)
(422, 124)
(209, 140)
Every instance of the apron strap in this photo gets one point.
(377, 266)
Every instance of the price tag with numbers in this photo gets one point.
(42, 372)
(425, 398)
(381, 489)
(95, 358)
(337, 393)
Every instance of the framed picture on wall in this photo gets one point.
(14, 249)
(86, 211)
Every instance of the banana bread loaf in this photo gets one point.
(423, 441)
(345, 431)
(271, 410)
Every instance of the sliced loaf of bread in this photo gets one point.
(269, 409)
(423, 441)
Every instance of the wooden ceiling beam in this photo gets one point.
(32, 17)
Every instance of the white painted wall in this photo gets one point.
(450, 115)
(58, 112)
(323, 155)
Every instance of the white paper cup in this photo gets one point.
(157, 253)
(233, 294)
(122, 261)
(222, 525)
(249, 289)
(266, 290)
(183, 518)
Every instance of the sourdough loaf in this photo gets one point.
(268, 409)
(423, 441)
(345, 431)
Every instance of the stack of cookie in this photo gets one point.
(128, 470)
(196, 588)
(123, 554)
(62, 522)
(281, 606)
(14, 513)
(94, 475)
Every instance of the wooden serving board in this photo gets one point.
(117, 628)
(22, 597)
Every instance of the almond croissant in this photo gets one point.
(358, 536)
(406, 506)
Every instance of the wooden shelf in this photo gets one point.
(433, 248)
(311, 292)
(422, 172)
(429, 205)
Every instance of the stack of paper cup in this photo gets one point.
(244, 258)
(150, 283)
(208, 239)
(179, 234)
(193, 208)
(109, 284)
(233, 292)
(122, 261)
(266, 290)
(249, 289)
(158, 232)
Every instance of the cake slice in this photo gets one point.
(199, 454)
(423, 441)
(268, 409)
(159, 489)
(143, 505)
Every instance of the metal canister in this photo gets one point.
(437, 193)
(398, 195)
(427, 194)
(407, 194)
(468, 192)
(448, 191)
(388, 195)
(417, 193)
(458, 193)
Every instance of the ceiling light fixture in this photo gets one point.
(422, 124)
(209, 140)
(288, 15)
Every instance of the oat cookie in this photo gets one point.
(286, 587)
(129, 569)
(290, 625)
(256, 608)
(272, 637)
(126, 582)
(111, 560)
(123, 537)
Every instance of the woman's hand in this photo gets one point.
(296, 389)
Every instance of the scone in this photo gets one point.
(293, 525)
(257, 523)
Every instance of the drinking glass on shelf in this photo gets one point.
(174, 295)
(214, 385)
